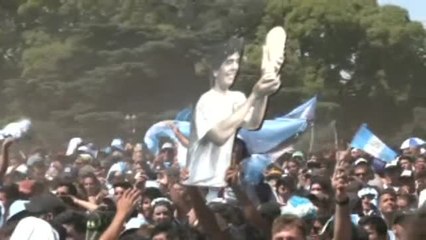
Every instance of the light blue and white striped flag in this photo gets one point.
(365, 140)
(304, 111)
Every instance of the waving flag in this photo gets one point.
(163, 129)
(304, 111)
(184, 115)
(365, 140)
(272, 134)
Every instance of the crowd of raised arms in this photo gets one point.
(124, 192)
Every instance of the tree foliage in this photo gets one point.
(81, 66)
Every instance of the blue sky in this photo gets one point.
(416, 8)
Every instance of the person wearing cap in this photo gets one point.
(369, 200)
(362, 171)
(392, 174)
(407, 183)
(406, 162)
(220, 112)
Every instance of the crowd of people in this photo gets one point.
(125, 192)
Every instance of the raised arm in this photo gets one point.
(181, 138)
(342, 224)
(125, 205)
(220, 133)
(205, 216)
(249, 209)
(4, 164)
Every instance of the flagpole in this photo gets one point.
(336, 136)
(311, 142)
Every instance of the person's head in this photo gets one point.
(225, 63)
(407, 183)
(74, 223)
(368, 196)
(45, 206)
(162, 210)
(387, 201)
(361, 170)
(375, 226)
(420, 163)
(38, 171)
(148, 195)
(164, 231)
(91, 184)
(401, 224)
(289, 227)
(392, 173)
(406, 162)
(65, 189)
(320, 185)
(293, 166)
(120, 188)
(404, 201)
(285, 187)
(8, 194)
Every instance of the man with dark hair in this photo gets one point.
(289, 227)
(65, 188)
(387, 204)
(375, 226)
(406, 162)
(119, 188)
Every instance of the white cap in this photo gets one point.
(152, 184)
(407, 173)
(360, 160)
(118, 143)
(391, 164)
(166, 145)
(368, 191)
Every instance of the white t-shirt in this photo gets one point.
(206, 161)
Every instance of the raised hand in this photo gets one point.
(340, 182)
(128, 201)
(267, 85)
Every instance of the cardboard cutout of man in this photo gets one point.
(219, 113)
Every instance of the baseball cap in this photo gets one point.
(360, 161)
(407, 174)
(166, 145)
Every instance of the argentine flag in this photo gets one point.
(365, 140)
(304, 111)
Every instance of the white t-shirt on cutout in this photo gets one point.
(206, 161)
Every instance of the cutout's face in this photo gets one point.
(225, 75)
